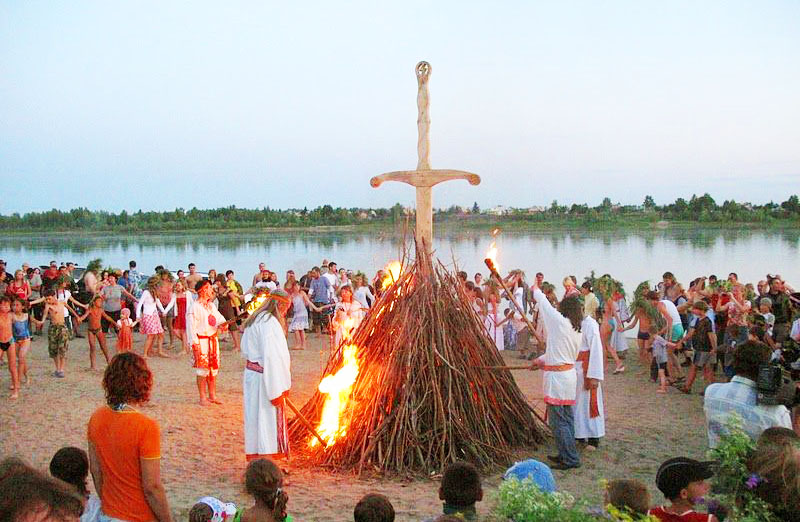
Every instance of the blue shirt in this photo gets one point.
(319, 289)
(739, 397)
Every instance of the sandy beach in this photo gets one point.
(202, 447)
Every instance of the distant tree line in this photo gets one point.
(700, 209)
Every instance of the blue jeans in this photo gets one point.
(562, 424)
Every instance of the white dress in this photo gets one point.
(562, 350)
(351, 311)
(263, 342)
(495, 332)
(587, 426)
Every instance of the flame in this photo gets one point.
(256, 302)
(338, 387)
(348, 325)
(393, 271)
(492, 254)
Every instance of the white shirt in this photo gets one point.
(361, 293)
(148, 305)
(739, 397)
(796, 330)
(63, 296)
(562, 348)
(672, 311)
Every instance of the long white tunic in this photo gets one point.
(562, 349)
(264, 343)
(585, 425)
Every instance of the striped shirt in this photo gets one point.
(739, 396)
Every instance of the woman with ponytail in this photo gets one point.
(264, 481)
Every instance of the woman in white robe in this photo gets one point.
(590, 422)
(267, 379)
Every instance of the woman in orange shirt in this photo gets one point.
(124, 446)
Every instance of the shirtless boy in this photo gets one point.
(57, 333)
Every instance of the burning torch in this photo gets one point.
(493, 273)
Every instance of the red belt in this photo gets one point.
(254, 366)
(213, 351)
(594, 405)
(558, 368)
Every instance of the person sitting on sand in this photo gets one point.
(71, 465)
(461, 490)
(263, 480)
(630, 496)
(373, 507)
(683, 483)
(28, 495)
(96, 314)
(210, 509)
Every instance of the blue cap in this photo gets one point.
(538, 472)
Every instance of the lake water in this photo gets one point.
(631, 256)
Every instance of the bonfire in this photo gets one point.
(418, 385)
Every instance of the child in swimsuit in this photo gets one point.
(21, 330)
(95, 314)
(125, 327)
(7, 343)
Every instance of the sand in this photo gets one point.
(203, 451)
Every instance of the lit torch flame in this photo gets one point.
(256, 302)
(338, 387)
(393, 271)
(491, 255)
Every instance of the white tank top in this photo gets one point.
(672, 311)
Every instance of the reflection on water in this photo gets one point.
(629, 255)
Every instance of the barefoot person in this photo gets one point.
(267, 379)
(96, 315)
(204, 322)
(57, 332)
(147, 312)
(7, 343)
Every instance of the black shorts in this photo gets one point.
(644, 336)
(5, 346)
(662, 366)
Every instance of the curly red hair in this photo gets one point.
(127, 379)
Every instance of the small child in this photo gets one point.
(509, 332)
(683, 483)
(125, 328)
(765, 307)
(21, 330)
(71, 465)
(7, 343)
(373, 508)
(95, 332)
(264, 481)
(461, 490)
(57, 332)
(210, 509)
(629, 496)
(659, 346)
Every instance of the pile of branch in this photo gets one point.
(428, 392)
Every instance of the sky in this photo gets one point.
(159, 105)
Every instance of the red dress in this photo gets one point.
(179, 322)
(124, 336)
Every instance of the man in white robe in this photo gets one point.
(590, 422)
(267, 380)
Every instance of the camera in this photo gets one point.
(775, 387)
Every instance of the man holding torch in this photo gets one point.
(560, 379)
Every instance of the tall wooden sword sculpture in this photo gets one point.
(424, 178)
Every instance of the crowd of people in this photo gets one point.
(725, 329)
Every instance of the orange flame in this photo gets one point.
(393, 271)
(338, 387)
(348, 325)
(256, 302)
(492, 254)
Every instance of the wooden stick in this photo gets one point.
(526, 367)
(493, 272)
(304, 421)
